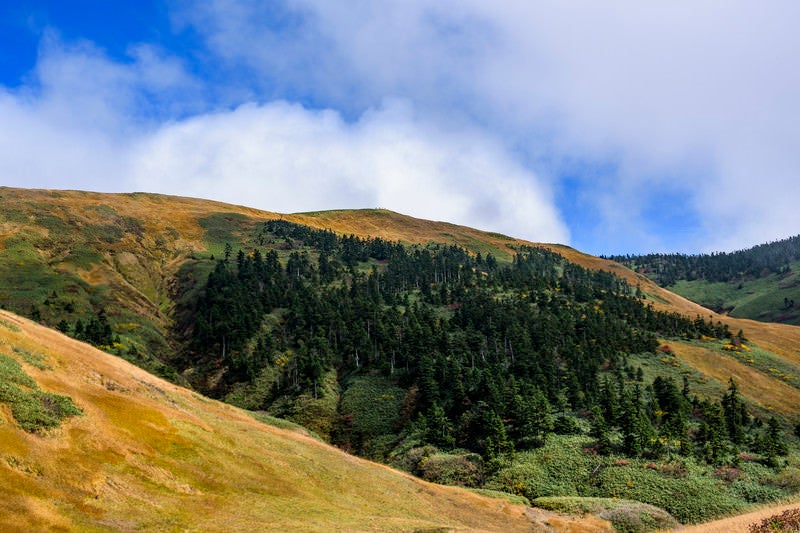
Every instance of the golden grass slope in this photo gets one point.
(148, 455)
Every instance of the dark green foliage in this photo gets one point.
(773, 442)
(32, 408)
(725, 267)
(483, 350)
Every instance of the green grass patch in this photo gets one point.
(225, 228)
(759, 299)
(33, 409)
(515, 499)
(669, 366)
(371, 404)
(34, 359)
(282, 423)
(9, 326)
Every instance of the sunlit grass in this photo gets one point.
(148, 455)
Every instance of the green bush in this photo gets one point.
(464, 469)
(560, 468)
(635, 517)
(695, 498)
(754, 492)
(787, 479)
(32, 408)
(374, 404)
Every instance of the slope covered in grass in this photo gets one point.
(148, 455)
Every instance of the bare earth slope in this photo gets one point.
(148, 455)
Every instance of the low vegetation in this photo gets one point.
(147, 455)
(788, 520)
(761, 283)
(32, 408)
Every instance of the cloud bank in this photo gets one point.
(82, 123)
(618, 127)
(691, 103)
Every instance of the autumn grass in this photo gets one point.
(770, 393)
(148, 455)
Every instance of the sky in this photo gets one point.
(615, 127)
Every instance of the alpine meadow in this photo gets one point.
(171, 364)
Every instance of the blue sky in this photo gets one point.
(618, 127)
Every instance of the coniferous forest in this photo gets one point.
(385, 349)
(755, 262)
(519, 372)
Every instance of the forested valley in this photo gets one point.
(395, 352)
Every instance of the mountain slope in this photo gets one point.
(396, 351)
(761, 283)
(121, 253)
(149, 455)
(782, 340)
(72, 253)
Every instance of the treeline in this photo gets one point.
(491, 357)
(759, 261)
(661, 419)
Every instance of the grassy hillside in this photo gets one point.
(72, 253)
(139, 265)
(69, 254)
(148, 455)
(760, 283)
(772, 298)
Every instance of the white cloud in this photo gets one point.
(71, 126)
(89, 122)
(482, 106)
(699, 97)
(286, 158)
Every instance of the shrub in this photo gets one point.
(557, 469)
(635, 517)
(787, 479)
(788, 520)
(727, 473)
(32, 408)
(695, 498)
(625, 515)
(462, 469)
(753, 492)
